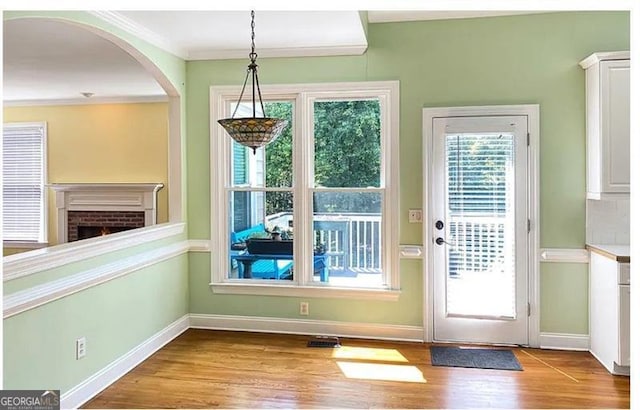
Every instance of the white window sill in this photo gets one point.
(24, 244)
(237, 288)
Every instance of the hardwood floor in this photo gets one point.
(217, 369)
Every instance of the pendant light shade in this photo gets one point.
(253, 132)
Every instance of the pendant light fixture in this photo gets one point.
(253, 132)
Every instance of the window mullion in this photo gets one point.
(220, 153)
(302, 201)
(390, 118)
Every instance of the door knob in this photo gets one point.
(440, 241)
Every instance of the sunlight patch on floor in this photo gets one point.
(387, 372)
(369, 353)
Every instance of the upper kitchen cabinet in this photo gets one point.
(608, 86)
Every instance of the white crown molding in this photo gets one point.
(140, 31)
(199, 245)
(39, 295)
(560, 255)
(307, 327)
(88, 101)
(27, 263)
(85, 391)
(166, 44)
(396, 16)
(609, 55)
(350, 50)
(564, 341)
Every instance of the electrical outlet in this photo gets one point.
(81, 348)
(415, 216)
(304, 308)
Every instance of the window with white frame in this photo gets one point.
(23, 183)
(318, 206)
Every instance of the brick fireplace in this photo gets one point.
(87, 224)
(88, 210)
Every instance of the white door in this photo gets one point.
(479, 244)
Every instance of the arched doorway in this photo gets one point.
(172, 156)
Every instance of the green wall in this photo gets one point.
(116, 316)
(527, 59)
(564, 297)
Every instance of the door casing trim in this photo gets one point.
(532, 111)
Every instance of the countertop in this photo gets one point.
(619, 253)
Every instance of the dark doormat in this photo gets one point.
(501, 359)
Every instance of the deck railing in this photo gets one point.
(479, 243)
(352, 241)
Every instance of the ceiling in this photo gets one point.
(51, 62)
(48, 61)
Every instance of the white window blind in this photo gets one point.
(23, 186)
(480, 191)
(480, 196)
(479, 169)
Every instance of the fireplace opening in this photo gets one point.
(89, 224)
(85, 232)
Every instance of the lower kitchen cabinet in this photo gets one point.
(609, 311)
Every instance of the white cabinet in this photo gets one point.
(608, 107)
(624, 341)
(609, 322)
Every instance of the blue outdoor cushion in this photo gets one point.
(241, 236)
(265, 268)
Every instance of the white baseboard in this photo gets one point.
(89, 388)
(621, 370)
(99, 381)
(564, 341)
(307, 327)
(612, 366)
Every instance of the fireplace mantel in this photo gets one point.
(141, 197)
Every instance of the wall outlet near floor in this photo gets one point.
(304, 308)
(415, 216)
(81, 348)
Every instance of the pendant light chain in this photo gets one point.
(253, 132)
(253, 56)
(254, 67)
(253, 70)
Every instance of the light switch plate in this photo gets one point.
(415, 216)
